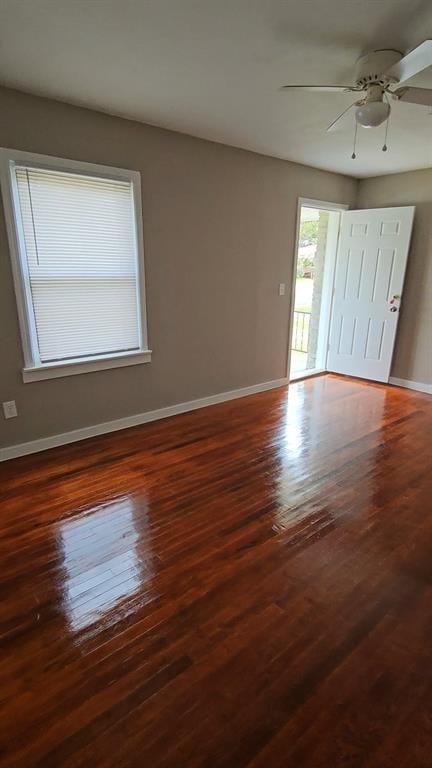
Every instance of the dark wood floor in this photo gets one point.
(245, 585)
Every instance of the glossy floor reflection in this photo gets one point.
(103, 568)
(245, 585)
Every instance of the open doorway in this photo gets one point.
(316, 246)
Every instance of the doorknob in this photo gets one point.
(393, 309)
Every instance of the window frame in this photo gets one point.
(34, 369)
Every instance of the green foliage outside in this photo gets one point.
(308, 233)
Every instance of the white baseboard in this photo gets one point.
(417, 385)
(22, 449)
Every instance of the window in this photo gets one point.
(75, 232)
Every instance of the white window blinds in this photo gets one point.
(81, 260)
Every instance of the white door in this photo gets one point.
(369, 278)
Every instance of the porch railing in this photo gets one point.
(300, 338)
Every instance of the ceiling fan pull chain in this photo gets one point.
(384, 147)
(353, 156)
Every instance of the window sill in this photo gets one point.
(85, 365)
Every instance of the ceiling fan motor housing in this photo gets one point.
(370, 68)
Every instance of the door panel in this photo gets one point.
(369, 277)
(374, 338)
(347, 335)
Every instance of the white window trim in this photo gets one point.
(33, 369)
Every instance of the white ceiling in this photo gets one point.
(212, 68)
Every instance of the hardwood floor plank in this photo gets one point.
(248, 584)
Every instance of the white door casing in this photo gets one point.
(369, 277)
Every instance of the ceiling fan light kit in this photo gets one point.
(373, 111)
(375, 76)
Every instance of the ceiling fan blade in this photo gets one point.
(415, 61)
(322, 88)
(332, 125)
(414, 95)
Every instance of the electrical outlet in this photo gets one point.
(10, 409)
(281, 289)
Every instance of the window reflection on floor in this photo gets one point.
(307, 487)
(107, 558)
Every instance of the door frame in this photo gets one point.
(324, 205)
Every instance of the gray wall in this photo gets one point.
(219, 229)
(413, 351)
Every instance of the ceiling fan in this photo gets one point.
(375, 77)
